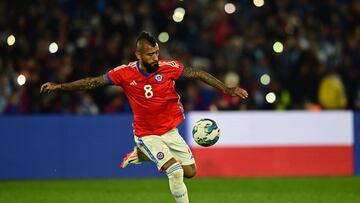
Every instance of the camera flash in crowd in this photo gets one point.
(278, 47)
(21, 80)
(179, 14)
(265, 79)
(270, 97)
(163, 37)
(53, 48)
(11, 40)
(230, 8)
(258, 3)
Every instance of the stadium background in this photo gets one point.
(299, 61)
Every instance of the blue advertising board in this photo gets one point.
(54, 147)
(357, 143)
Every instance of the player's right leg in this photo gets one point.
(132, 157)
(136, 156)
(189, 170)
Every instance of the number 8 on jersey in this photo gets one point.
(148, 91)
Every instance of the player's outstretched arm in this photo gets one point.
(82, 84)
(214, 82)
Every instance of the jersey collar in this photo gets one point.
(140, 70)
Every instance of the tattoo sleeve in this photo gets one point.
(206, 78)
(85, 84)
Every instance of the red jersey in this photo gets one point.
(153, 99)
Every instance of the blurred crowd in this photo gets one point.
(319, 67)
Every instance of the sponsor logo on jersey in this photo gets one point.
(133, 83)
(160, 155)
(158, 77)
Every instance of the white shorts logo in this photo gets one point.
(160, 155)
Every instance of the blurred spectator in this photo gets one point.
(87, 106)
(332, 92)
(91, 37)
(5, 92)
(226, 102)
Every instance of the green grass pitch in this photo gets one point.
(252, 190)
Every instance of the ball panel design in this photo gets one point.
(206, 132)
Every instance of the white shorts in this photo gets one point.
(161, 149)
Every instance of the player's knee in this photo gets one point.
(189, 171)
(190, 174)
(168, 164)
(175, 174)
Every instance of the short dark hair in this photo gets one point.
(145, 37)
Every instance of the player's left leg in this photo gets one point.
(189, 170)
(181, 152)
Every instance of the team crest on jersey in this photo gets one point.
(158, 77)
(160, 156)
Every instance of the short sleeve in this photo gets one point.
(178, 70)
(115, 75)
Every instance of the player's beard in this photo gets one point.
(151, 68)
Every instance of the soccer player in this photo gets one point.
(149, 86)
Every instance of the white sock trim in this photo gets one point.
(172, 168)
(176, 182)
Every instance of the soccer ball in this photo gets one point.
(206, 132)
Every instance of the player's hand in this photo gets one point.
(237, 92)
(49, 87)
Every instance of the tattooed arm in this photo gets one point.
(214, 82)
(82, 84)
